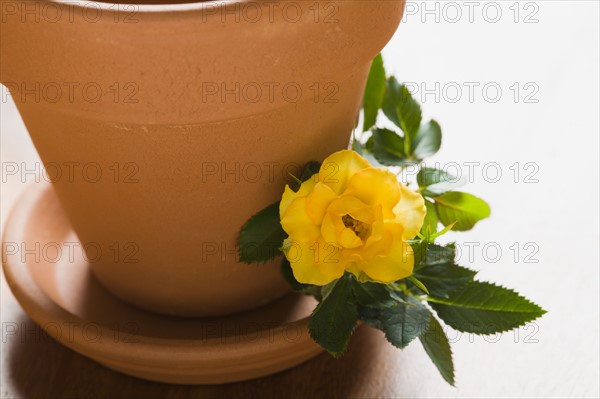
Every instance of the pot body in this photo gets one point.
(164, 128)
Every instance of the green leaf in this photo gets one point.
(388, 147)
(295, 179)
(405, 322)
(434, 182)
(357, 146)
(371, 294)
(401, 108)
(438, 271)
(327, 288)
(436, 345)
(401, 323)
(309, 170)
(374, 92)
(485, 308)
(419, 284)
(419, 248)
(440, 233)
(439, 254)
(333, 321)
(464, 209)
(369, 143)
(443, 278)
(430, 224)
(427, 141)
(261, 236)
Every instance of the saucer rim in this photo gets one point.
(150, 352)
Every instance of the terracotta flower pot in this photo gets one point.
(164, 127)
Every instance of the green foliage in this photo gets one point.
(428, 140)
(401, 323)
(418, 283)
(419, 248)
(373, 294)
(444, 278)
(438, 272)
(439, 255)
(405, 322)
(357, 146)
(435, 342)
(261, 236)
(333, 321)
(388, 147)
(463, 208)
(374, 92)
(309, 170)
(399, 308)
(485, 308)
(402, 109)
(433, 182)
(430, 224)
(415, 141)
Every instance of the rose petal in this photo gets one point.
(316, 263)
(339, 167)
(329, 228)
(348, 239)
(375, 186)
(389, 259)
(346, 205)
(410, 212)
(318, 201)
(290, 195)
(297, 224)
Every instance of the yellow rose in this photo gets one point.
(350, 217)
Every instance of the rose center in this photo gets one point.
(361, 229)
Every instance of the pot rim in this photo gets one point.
(110, 6)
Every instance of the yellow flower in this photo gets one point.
(350, 217)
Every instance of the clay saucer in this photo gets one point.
(51, 280)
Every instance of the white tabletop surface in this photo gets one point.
(550, 52)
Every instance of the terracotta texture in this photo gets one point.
(164, 127)
(60, 294)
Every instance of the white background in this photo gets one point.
(554, 58)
